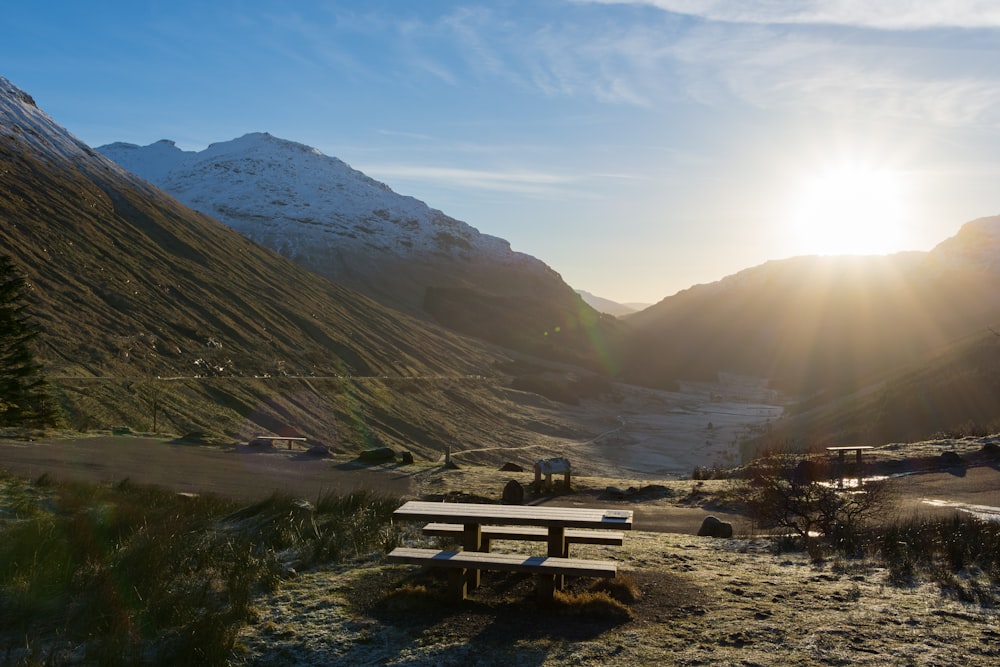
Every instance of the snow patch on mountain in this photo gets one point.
(22, 122)
(294, 198)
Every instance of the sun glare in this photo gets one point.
(849, 210)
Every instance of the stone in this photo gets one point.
(950, 460)
(511, 467)
(513, 493)
(377, 455)
(406, 458)
(713, 527)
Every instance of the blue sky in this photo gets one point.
(636, 147)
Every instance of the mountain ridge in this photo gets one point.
(358, 232)
(288, 196)
(818, 323)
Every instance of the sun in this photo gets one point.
(849, 209)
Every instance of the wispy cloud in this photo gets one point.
(883, 14)
(772, 68)
(523, 182)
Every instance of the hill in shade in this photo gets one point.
(823, 324)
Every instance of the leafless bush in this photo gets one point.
(809, 510)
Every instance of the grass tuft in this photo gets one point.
(590, 603)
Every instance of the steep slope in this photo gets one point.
(161, 318)
(823, 324)
(356, 231)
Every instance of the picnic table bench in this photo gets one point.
(528, 534)
(481, 523)
(270, 440)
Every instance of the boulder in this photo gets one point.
(513, 493)
(511, 467)
(406, 458)
(713, 527)
(377, 455)
(950, 459)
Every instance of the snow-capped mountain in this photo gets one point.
(31, 129)
(335, 220)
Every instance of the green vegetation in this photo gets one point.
(132, 574)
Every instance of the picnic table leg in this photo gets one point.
(472, 540)
(546, 587)
(557, 549)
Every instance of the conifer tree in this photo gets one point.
(24, 395)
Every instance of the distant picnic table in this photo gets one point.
(271, 439)
(841, 453)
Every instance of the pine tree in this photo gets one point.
(24, 395)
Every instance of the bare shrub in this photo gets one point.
(777, 497)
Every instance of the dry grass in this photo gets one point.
(700, 602)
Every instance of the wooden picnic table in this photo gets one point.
(473, 516)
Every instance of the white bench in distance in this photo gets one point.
(459, 562)
(614, 538)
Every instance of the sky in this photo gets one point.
(638, 148)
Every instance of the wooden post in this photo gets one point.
(557, 549)
(458, 583)
(472, 540)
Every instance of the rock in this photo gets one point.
(713, 527)
(992, 450)
(511, 467)
(406, 458)
(950, 460)
(377, 455)
(319, 451)
(513, 493)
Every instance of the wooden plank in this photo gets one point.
(504, 562)
(530, 534)
(528, 515)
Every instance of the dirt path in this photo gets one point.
(237, 472)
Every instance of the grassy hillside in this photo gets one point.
(157, 318)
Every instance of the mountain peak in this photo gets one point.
(332, 218)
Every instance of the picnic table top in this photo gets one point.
(518, 515)
(849, 448)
